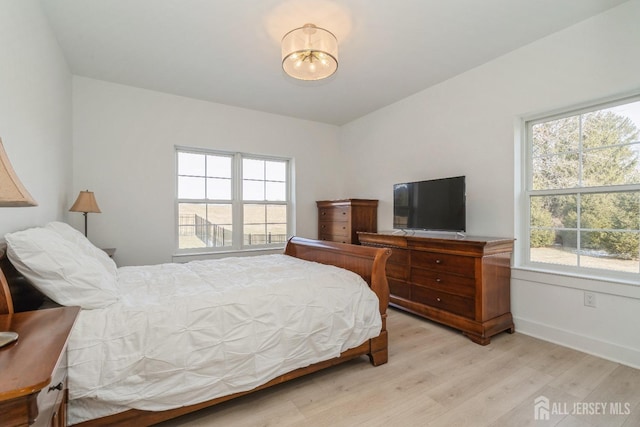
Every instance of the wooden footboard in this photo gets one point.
(368, 262)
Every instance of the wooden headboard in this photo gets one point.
(16, 293)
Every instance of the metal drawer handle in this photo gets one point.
(438, 280)
(438, 299)
(56, 387)
(438, 261)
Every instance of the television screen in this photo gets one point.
(437, 204)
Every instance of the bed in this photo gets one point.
(322, 315)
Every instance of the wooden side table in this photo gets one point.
(33, 370)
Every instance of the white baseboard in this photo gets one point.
(606, 350)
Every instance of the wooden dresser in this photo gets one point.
(462, 282)
(340, 220)
(33, 370)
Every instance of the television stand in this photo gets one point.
(460, 281)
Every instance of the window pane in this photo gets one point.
(276, 171)
(218, 189)
(186, 224)
(254, 214)
(613, 126)
(254, 225)
(559, 171)
(255, 235)
(253, 190)
(219, 166)
(614, 250)
(277, 214)
(276, 191)
(190, 187)
(190, 164)
(554, 211)
(611, 166)
(219, 227)
(265, 224)
(551, 247)
(201, 225)
(252, 169)
(276, 233)
(557, 136)
(618, 211)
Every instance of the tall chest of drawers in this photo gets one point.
(462, 282)
(340, 220)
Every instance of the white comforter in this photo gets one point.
(187, 333)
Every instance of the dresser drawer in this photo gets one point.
(333, 238)
(444, 301)
(450, 283)
(398, 255)
(337, 228)
(397, 271)
(399, 288)
(462, 265)
(338, 213)
(397, 264)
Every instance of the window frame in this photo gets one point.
(527, 192)
(236, 201)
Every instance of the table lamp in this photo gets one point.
(85, 203)
(12, 194)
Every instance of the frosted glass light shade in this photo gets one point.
(309, 53)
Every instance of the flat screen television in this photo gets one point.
(437, 205)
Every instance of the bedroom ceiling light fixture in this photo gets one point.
(85, 203)
(12, 192)
(309, 53)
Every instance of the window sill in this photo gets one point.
(605, 285)
(192, 256)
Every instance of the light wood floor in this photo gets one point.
(436, 377)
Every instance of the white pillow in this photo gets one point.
(74, 236)
(60, 270)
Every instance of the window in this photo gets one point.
(583, 190)
(231, 201)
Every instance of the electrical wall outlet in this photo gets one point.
(589, 299)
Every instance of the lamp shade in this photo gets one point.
(309, 53)
(12, 192)
(86, 202)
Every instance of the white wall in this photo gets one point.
(123, 150)
(35, 113)
(465, 126)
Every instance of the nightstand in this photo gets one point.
(33, 370)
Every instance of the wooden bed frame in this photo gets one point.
(368, 262)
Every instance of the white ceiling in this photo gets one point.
(228, 51)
